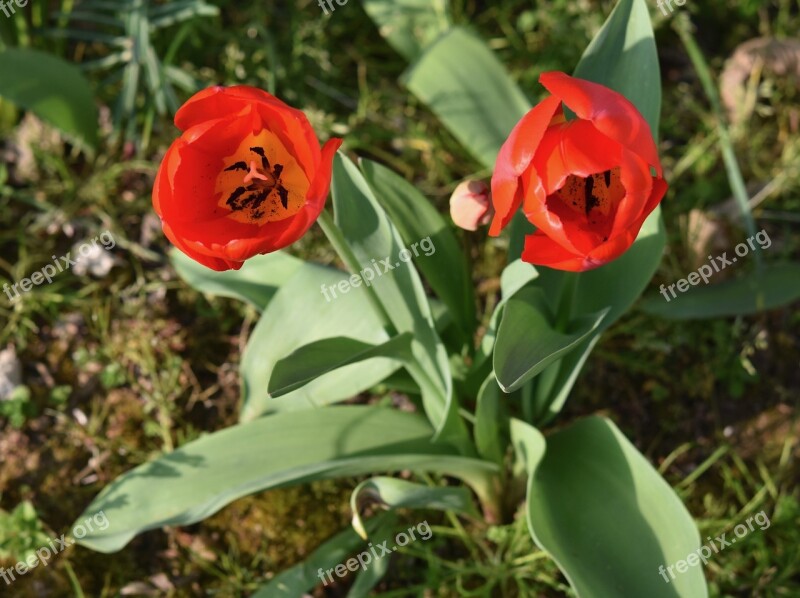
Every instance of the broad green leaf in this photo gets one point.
(321, 357)
(374, 244)
(408, 25)
(200, 478)
(491, 422)
(255, 283)
(444, 265)
(300, 579)
(470, 91)
(51, 88)
(396, 494)
(775, 286)
(527, 341)
(300, 314)
(623, 56)
(608, 519)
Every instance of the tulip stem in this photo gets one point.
(565, 301)
(342, 248)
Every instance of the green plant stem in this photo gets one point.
(565, 300)
(342, 248)
(682, 26)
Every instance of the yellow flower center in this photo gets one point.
(261, 182)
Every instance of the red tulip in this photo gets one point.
(587, 184)
(246, 177)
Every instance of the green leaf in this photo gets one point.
(255, 283)
(370, 577)
(775, 286)
(300, 314)
(200, 478)
(529, 445)
(527, 341)
(623, 56)
(395, 494)
(408, 25)
(491, 422)
(51, 88)
(320, 357)
(513, 278)
(470, 91)
(608, 519)
(371, 239)
(446, 268)
(300, 579)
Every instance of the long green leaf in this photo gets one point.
(470, 91)
(445, 266)
(285, 449)
(375, 245)
(321, 357)
(51, 88)
(608, 519)
(408, 25)
(776, 285)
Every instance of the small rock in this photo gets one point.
(10, 372)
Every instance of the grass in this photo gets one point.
(121, 368)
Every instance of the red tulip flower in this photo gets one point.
(246, 177)
(587, 184)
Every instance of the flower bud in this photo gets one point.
(470, 205)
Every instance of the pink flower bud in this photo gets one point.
(470, 205)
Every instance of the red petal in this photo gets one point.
(611, 112)
(574, 148)
(541, 250)
(289, 124)
(514, 157)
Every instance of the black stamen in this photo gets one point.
(284, 195)
(589, 199)
(264, 160)
(234, 196)
(237, 166)
(607, 176)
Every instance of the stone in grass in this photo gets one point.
(96, 261)
(10, 372)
